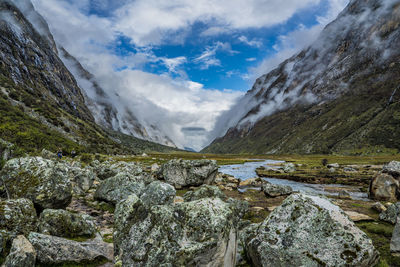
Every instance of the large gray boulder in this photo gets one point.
(310, 231)
(109, 169)
(52, 250)
(384, 187)
(158, 193)
(66, 224)
(289, 167)
(274, 190)
(82, 179)
(182, 173)
(392, 168)
(43, 181)
(395, 241)
(22, 253)
(204, 191)
(196, 233)
(391, 213)
(119, 187)
(18, 216)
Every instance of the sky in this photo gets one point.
(179, 64)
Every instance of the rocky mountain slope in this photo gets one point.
(338, 95)
(41, 104)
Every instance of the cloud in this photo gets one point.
(208, 57)
(252, 43)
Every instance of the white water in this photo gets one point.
(248, 170)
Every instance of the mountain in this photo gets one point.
(341, 94)
(41, 104)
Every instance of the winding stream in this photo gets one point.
(248, 170)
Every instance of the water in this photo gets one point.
(248, 170)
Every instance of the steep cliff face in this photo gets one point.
(339, 94)
(41, 104)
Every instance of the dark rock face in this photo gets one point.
(336, 95)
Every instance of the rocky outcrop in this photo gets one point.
(22, 253)
(43, 181)
(108, 169)
(17, 216)
(392, 168)
(53, 250)
(82, 179)
(310, 231)
(158, 193)
(384, 187)
(391, 213)
(274, 190)
(119, 187)
(66, 224)
(204, 191)
(182, 173)
(196, 233)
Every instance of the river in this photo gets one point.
(248, 170)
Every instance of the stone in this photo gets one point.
(379, 207)
(48, 155)
(5, 241)
(22, 253)
(52, 250)
(332, 170)
(18, 216)
(6, 150)
(82, 179)
(253, 182)
(158, 193)
(196, 233)
(391, 213)
(155, 167)
(289, 167)
(343, 194)
(392, 168)
(395, 241)
(204, 191)
(358, 217)
(43, 181)
(178, 199)
(185, 173)
(274, 190)
(384, 187)
(108, 169)
(333, 165)
(349, 169)
(119, 187)
(310, 231)
(63, 223)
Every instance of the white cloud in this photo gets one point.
(253, 43)
(251, 59)
(208, 57)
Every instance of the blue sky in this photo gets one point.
(180, 64)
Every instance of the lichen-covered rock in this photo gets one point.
(333, 165)
(43, 181)
(256, 182)
(108, 169)
(379, 207)
(289, 167)
(6, 149)
(391, 213)
(119, 187)
(310, 231)
(18, 216)
(158, 193)
(66, 224)
(392, 168)
(204, 191)
(57, 250)
(384, 187)
(395, 241)
(274, 190)
(81, 178)
(196, 233)
(182, 173)
(22, 253)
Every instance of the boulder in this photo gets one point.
(5, 241)
(392, 168)
(384, 187)
(274, 190)
(391, 213)
(289, 167)
(253, 182)
(310, 231)
(358, 217)
(349, 169)
(333, 165)
(52, 250)
(22, 253)
(204, 191)
(183, 173)
(379, 207)
(82, 179)
(18, 216)
(119, 187)
(48, 155)
(158, 193)
(343, 194)
(155, 167)
(43, 181)
(196, 233)
(6, 150)
(66, 224)
(395, 241)
(108, 169)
